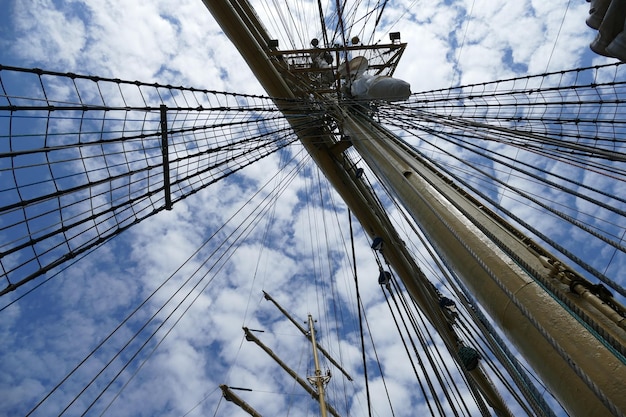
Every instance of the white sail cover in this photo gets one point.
(380, 87)
(356, 67)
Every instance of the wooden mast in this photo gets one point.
(314, 394)
(307, 334)
(318, 379)
(571, 360)
(578, 368)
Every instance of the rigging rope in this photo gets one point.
(99, 175)
(580, 372)
(575, 120)
(385, 279)
(534, 398)
(488, 332)
(358, 302)
(380, 369)
(572, 117)
(425, 396)
(222, 255)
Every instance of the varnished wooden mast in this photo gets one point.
(318, 379)
(570, 359)
(580, 370)
(314, 394)
(308, 335)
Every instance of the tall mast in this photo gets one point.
(506, 274)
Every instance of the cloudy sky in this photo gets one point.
(47, 333)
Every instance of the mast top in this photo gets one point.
(322, 70)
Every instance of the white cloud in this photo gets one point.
(54, 36)
(179, 43)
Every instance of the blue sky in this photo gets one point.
(47, 333)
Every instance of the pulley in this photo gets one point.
(469, 357)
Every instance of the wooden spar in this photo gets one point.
(307, 334)
(252, 338)
(585, 375)
(229, 395)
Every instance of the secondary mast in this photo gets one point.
(318, 379)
